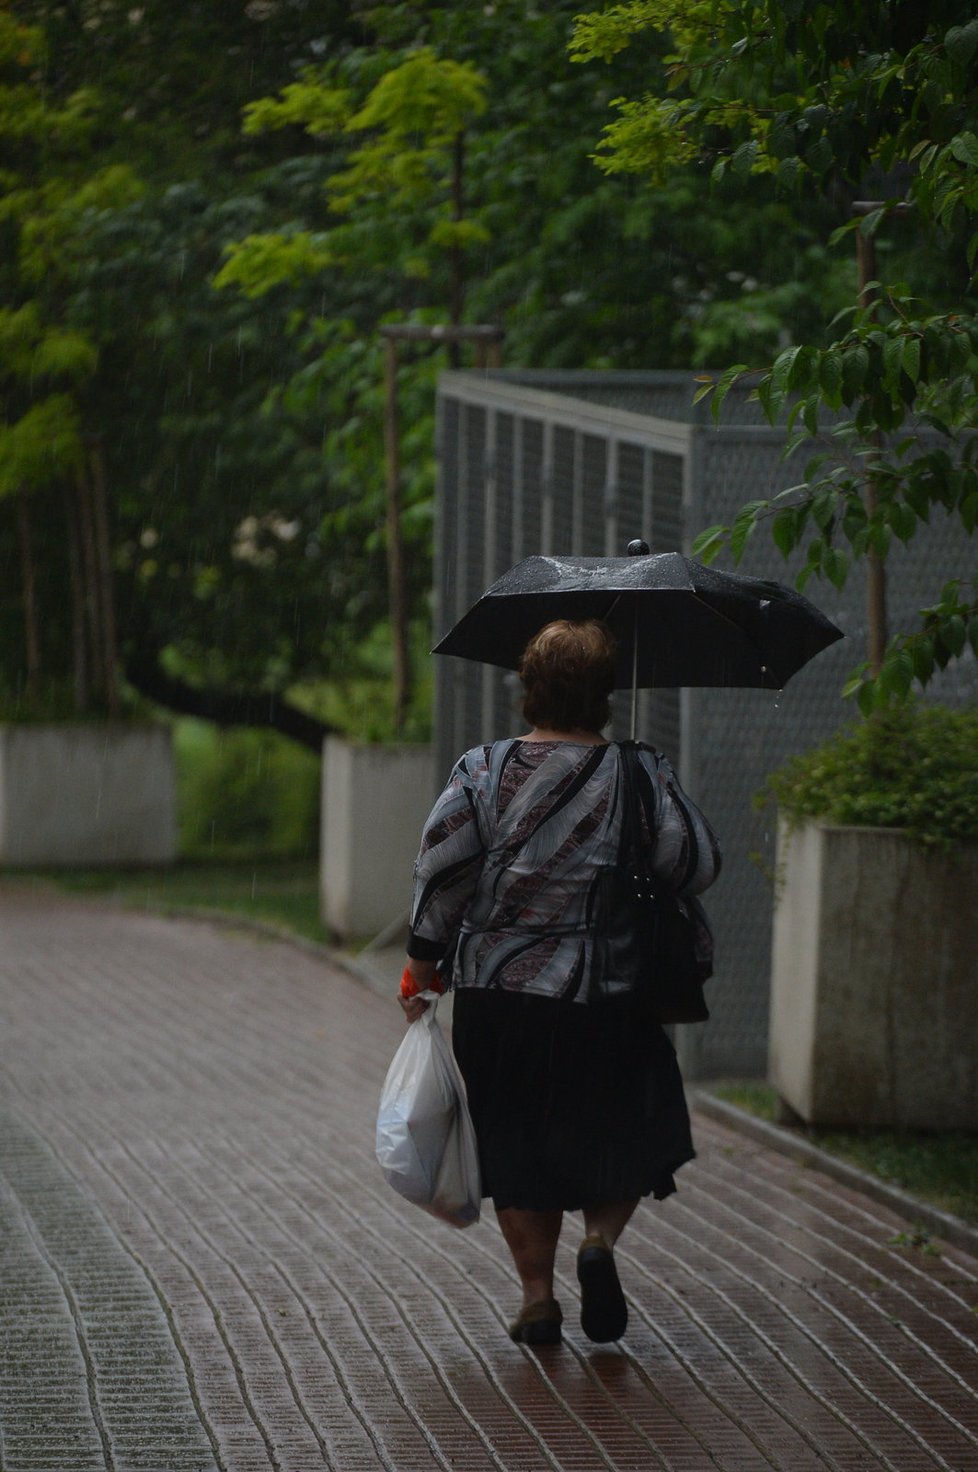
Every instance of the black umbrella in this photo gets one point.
(677, 622)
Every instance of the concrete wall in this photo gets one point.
(96, 794)
(375, 801)
(874, 998)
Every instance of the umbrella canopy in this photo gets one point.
(677, 622)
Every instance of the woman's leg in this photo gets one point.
(604, 1312)
(531, 1237)
(609, 1220)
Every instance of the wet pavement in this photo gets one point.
(203, 1268)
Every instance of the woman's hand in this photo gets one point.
(413, 1007)
(418, 976)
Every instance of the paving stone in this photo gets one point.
(201, 1267)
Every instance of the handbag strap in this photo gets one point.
(631, 849)
(635, 801)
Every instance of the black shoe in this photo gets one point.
(539, 1323)
(604, 1312)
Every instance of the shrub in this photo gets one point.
(245, 792)
(913, 767)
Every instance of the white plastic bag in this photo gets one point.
(425, 1140)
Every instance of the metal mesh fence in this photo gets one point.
(562, 463)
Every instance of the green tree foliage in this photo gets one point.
(233, 582)
(399, 195)
(580, 271)
(47, 184)
(40, 357)
(399, 202)
(830, 100)
(458, 186)
(245, 565)
(173, 78)
(397, 161)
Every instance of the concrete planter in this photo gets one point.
(375, 800)
(99, 794)
(874, 998)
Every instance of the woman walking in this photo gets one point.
(575, 1094)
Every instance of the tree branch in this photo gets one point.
(225, 707)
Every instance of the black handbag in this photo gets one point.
(658, 942)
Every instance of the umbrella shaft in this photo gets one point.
(635, 676)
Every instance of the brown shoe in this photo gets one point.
(604, 1312)
(539, 1323)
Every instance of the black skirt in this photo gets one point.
(573, 1105)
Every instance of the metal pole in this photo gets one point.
(635, 674)
(636, 548)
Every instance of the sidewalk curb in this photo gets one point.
(266, 929)
(949, 1228)
(270, 931)
(355, 968)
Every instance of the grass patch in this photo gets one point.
(756, 1098)
(939, 1167)
(284, 893)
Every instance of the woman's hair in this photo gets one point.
(568, 673)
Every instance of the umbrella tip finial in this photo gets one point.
(638, 548)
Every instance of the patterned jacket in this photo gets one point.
(512, 856)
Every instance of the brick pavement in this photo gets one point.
(202, 1267)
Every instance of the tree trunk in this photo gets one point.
(106, 589)
(456, 304)
(90, 583)
(79, 648)
(876, 614)
(28, 574)
(396, 582)
(225, 707)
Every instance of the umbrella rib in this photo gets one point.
(718, 613)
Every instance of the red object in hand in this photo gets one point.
(410, 987)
